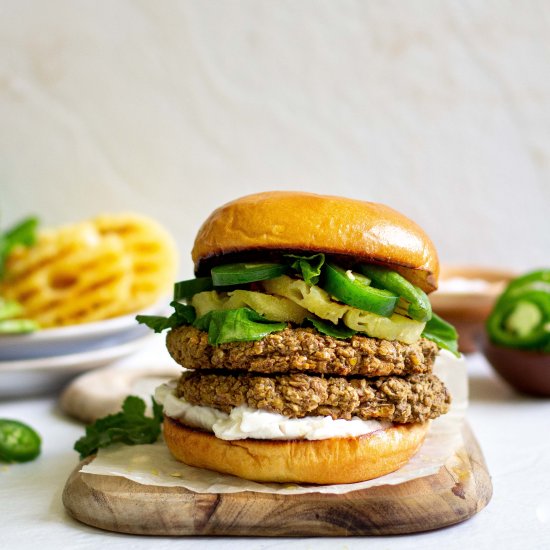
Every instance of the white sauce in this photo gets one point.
(246, 423)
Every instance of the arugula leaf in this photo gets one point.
(183, 315)
(236, 325)
(308, 266)
(330, 329)
(155, 322)
(130, 426)
(23, 233)
(442, 333)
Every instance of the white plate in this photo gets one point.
(47, 374)
(54, 342)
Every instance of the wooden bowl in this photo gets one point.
(465, 298)
(526, 371)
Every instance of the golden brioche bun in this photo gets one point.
(295, 221)
(325, 461)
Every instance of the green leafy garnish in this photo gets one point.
(442, 333)
(236, 325)
(23, 233)
(183, 315)
(17, 326)
(9, 309)
(9, 321)
(330, 329)
(309, 267)
(242, 273)
(130, 426)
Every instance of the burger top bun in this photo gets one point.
(306, 222)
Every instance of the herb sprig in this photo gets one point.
(130, 426)
(23, 233)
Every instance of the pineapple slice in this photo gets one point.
(274, 308)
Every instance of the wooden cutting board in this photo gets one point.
(457, 492)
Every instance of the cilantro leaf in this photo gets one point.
(309, 267)
(183, 315)
(155, 322)
(130, 426)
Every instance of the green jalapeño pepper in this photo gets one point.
(521, 316)
(238, 274)
(537, 278)
(18, 442)
(419, 307)
(354, 290)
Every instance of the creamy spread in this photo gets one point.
(246, 423)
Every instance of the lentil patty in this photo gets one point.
(415, 398)
(302, 350)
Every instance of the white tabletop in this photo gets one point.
(513, 431)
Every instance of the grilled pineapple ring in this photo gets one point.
(274, 308)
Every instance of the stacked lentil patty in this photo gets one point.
(299, 372)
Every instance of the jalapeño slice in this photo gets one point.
(238, 274)
(419, 308)
(187, 289)
(353, 289)
(18, 441)
(520, 319)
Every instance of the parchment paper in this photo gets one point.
(153, 464)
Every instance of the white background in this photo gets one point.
(439, 108)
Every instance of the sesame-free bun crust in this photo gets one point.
(295, 222)
(325, 461)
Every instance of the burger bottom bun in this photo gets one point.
(325, 461)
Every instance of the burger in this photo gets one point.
(307, 341)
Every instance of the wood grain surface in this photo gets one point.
(457, 492)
